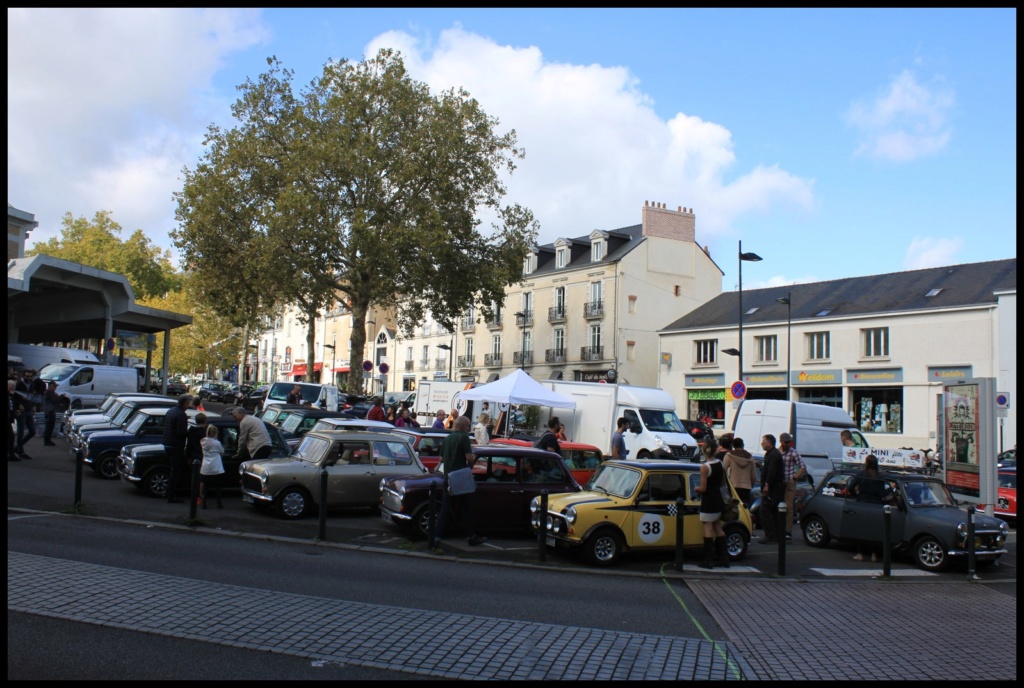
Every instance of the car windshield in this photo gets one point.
(107, 403)
(663, 421)
(280, 391)
(135, 424)
(927, 493)
(311, 449)
(1008, 480)
(57, 371)
(122, 415)
(618, 481)
(291, 422)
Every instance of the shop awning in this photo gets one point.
(317, 367)
(340, 369)
(298, 369)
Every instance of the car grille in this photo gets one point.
(251, 482)
(390, 500)
(986, 540)
(683, 452)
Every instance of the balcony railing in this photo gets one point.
(410, 365)
(554, 356)
(522, 358)
(495, 323)
(441, 364)
(524, 319)
(593, 309)
(592, 353)
(467, 324)
(492, 359)
(556, 314)
(467, 361)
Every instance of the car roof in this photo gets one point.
(349, 435)
(424, 431)
(890, 473)
(344, 422)
(513, 442)
(511, 450)
(657, 464)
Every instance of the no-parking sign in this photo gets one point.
(738, 389)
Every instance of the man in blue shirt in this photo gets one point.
(619, 450)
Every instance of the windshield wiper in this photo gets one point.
(596, 488)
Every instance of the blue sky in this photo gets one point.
(833, 143)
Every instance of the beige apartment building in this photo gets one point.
(589, 308)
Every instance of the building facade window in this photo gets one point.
(468, 347)
(595, 337)
(561, 257)
(819, 346)
(527, 341)
(767, 349)
(596, 251)
(496, 344)
(595, 292)
(528, 302)
(876, 342)
(705, 351)
(878, 409)
(559, 340)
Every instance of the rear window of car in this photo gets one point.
(280, 391)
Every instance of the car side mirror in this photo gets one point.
(635, 428)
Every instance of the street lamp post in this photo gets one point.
(751, 257)
(787, 299)
(450, 350)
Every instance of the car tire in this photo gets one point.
(292, 503)
(106, 466)
(155, 483)
(421, 520)
(603, 548)
(644, 454)
(816, 532)
(736, 540)
(929, 554)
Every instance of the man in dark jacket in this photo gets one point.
(773, 489)
(175, 437)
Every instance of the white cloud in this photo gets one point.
(929, 252)
(905, 122)
(106, 106)
(595, 148)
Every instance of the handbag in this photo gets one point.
(731, 508)
(461, 482)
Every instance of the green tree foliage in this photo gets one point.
(364, 186)
(98, 244)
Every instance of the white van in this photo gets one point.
(321, 396)
(815, 430)
(34, 356)
(85, 386)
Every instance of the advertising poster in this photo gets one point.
(962, 424)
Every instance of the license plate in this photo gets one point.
(549, 541)
(387, 518)
(247, 498)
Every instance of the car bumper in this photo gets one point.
(252, 496)
(396, 517)
(983, 555)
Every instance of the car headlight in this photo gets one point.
(1004, 529)
(662, 444)
(381, 485)
(961, 529)
(241, 469)
(570, 515)
(550, 523)
(535, 505)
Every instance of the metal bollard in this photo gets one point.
(323, 503)
(971, 556)
(193, 492)
(886, 541)
(679, 534)
(780, 525)
(78, 479)
(542, 548)
(432, 517)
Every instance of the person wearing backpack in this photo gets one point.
(549, 440)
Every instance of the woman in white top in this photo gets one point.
(481, 431)
(212, 469)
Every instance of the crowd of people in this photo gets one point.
(27, 395)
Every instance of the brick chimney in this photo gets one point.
(659, 221)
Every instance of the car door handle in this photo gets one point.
(516, 491)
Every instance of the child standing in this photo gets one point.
(213, 465)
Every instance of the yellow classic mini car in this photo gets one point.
(632, 505)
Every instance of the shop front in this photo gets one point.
(705, 396)
(876, 397)
(765, 385)
(818, 386)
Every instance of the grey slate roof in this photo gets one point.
(620, 242)
(969, 284)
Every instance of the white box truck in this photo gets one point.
(815, 429)
(432, 395)
(655, 429)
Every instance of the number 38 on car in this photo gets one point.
(633, 505)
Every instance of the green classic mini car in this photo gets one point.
(632, 505)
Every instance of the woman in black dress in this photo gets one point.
(712, 476)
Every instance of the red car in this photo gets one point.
(1006, 499)
(582, 459)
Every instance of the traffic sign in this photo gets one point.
(383, 368)
(1002, 400)
(367, 366)
(111, 344)
(739, 390)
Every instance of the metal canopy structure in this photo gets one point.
(54, 300)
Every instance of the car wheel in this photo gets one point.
(292, 503)
(603, 548)
(155, 483)
(930, 554)
(736, 540)
(644, 454)
(106, 466)
(816, 532)
(421, 520)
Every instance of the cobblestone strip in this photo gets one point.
(432, 643)
(867, 630)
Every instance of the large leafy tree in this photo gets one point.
(364, 186)
(97, 243)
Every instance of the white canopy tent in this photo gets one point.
(518, 388)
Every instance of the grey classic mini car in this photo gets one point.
(926, 522)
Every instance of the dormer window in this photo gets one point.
(561, 257)
(596, 251)
(530, 263)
